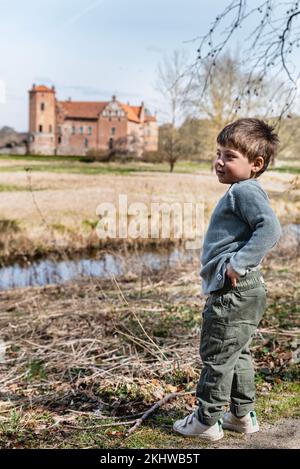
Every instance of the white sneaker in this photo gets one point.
(191, 426)
(247, 424)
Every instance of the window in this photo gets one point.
(59, 139)
(59, 130)
(81, 130)
(42, 106)
(86, 142)
(113, 131)
(73, 130)
(111, 144)
(40, 128)
(90, 130)
(50, 129)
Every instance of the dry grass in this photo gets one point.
(57, 212)
(82, 356)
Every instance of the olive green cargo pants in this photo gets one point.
(230, 318)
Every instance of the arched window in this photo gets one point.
(40, 128)
(42, 106)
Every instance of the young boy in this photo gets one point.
(242, 229)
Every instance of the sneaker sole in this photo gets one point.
(235, 428)
(201, 436)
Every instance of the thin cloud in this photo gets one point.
(80, 14)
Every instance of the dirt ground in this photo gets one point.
(284, 434)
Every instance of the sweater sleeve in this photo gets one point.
(251, 205)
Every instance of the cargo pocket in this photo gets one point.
(221, 301)
(252, 305)
(218, 342)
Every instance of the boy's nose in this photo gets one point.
(219, 162)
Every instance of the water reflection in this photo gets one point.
(48, 271)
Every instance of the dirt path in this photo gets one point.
(284, 434)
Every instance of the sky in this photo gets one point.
(93, 49)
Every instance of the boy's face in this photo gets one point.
(232, 166)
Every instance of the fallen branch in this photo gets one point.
(114, 424)
(152, 409)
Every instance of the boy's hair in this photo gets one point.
(252, 137)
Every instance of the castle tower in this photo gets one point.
(42, 120)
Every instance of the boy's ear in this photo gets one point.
(258, 164)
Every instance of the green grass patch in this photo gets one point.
(9, 226)
(12, 188)
(287, 169)
(74, 165)
(36, 370)
(281, 402)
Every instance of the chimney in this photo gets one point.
(113, 97)
(142, 113)
(69, 99)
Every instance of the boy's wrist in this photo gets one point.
(236, 268)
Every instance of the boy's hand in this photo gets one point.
(232, 274)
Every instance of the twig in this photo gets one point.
(152, 409)
(114, 424)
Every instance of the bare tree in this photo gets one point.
(267, 47)
(224, 98)
(172, 145)
(172, 86)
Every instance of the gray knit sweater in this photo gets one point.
(242, 229)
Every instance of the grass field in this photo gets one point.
(51, 201)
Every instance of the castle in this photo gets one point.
(75, 127)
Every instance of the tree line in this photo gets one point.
(198, 101)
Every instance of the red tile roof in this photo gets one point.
(91, 110)
(82, 109)
(137, 110)
(43, 88)
(131, 112)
